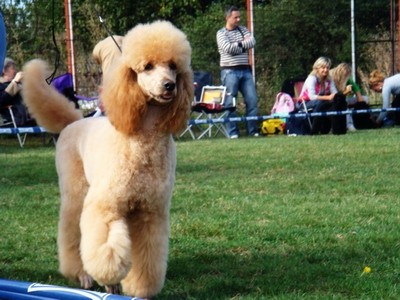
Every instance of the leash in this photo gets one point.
(103, 23)
(58, 55)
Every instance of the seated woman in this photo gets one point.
(341, 75)
(389, 86)
(318, 86)
(10, 87)
(318, 93)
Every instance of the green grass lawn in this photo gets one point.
(261, 218)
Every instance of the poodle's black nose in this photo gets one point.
(169, 86)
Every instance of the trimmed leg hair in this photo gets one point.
(73, 190)
(149, 233)
(105, 243)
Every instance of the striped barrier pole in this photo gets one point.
(22, 130)
(21, 290)
(293, 115)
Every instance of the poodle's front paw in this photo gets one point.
(86, 281)
(110, 261)
(113, 289)
(140, 290)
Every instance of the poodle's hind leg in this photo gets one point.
(73, 188)
(105, 243)
(150, 235)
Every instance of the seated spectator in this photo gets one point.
(341, 75)
(389, 87)
(10, 94)
(319, 86)
(319, 93)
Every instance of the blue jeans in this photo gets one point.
(2, 42)
(317, 105)
(240, 81)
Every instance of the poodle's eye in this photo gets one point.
(148, 67)
(172, 66)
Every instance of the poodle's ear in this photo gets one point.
(124, 101)
(178, 113)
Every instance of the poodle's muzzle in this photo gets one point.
(159, 83)
(169, 91)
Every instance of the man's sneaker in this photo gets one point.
(256, 135)
(234, 136)
(351, 128)
(388, 122)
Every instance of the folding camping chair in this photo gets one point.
(200, 79)
(211, 109)
(12, 123)
(298, 86)
(293, 87)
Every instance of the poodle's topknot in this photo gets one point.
(157, 41)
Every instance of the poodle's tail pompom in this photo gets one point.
(50, 109)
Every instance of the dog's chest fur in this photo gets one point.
(137, 171)
(151, 164)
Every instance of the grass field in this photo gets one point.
(262, 218)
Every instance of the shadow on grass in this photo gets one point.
(324, 272)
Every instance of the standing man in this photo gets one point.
(234, 41)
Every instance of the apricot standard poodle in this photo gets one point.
(116, 173)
